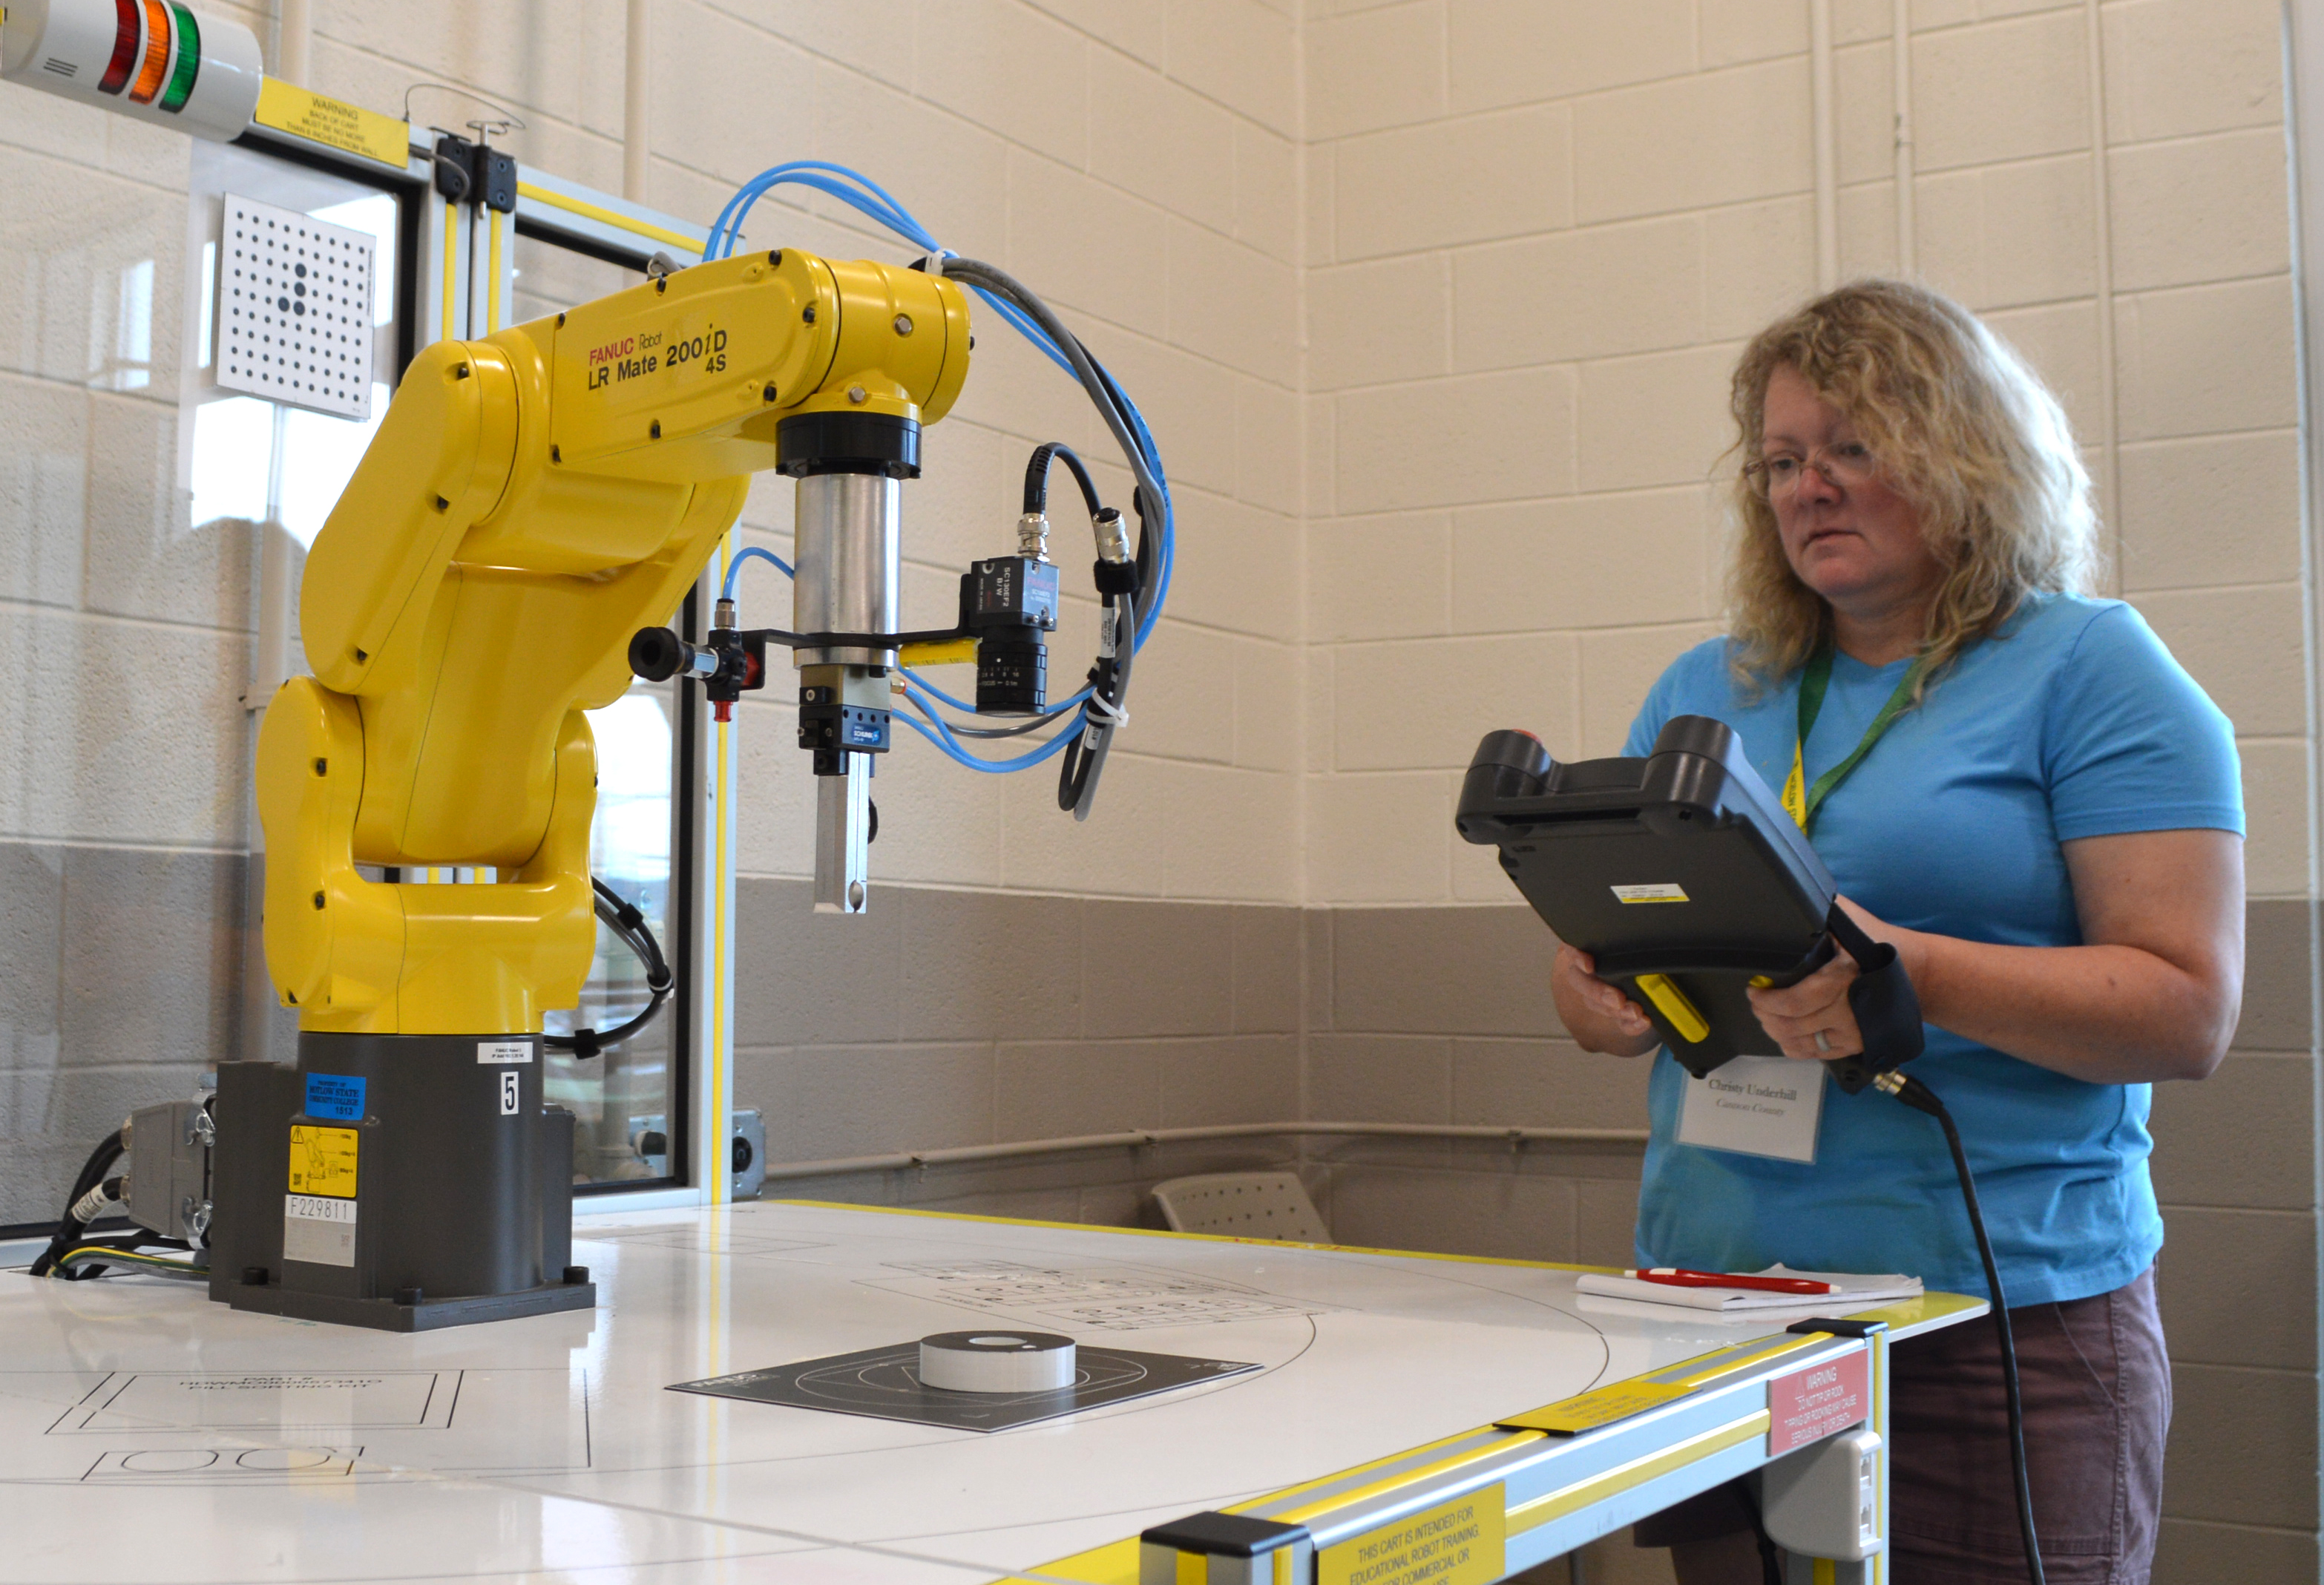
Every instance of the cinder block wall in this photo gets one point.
(1539, 233)
(123, 649)
(1022, 975)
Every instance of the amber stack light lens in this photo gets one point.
(150, 75)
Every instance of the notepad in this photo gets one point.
(1854, 1291)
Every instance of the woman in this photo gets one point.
(2046, 821)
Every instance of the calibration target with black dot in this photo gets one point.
(884, 1384)
(294, 308)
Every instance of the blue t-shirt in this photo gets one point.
(2073, 721)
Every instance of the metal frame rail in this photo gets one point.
(1494, 1501)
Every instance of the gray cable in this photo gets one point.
(976, 272)
(1125, 620)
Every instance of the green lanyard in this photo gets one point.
(1801, 801)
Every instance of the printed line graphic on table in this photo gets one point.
(289, 1400)
(250, 1466)
(1114, 1297)
(241, 1428)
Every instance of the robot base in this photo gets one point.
(402, 1181)
(427, 1315)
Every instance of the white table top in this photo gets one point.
(148, 1434)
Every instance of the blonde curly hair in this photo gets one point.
(1959, 426)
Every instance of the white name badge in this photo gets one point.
(1755, 1106)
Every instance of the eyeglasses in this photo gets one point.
(1775, 477)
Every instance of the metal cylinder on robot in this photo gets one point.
(152, 60)
(848, 534)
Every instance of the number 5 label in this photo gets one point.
(508, 1092)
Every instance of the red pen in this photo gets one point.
(1673, 1276)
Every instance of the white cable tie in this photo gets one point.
(1114, 715)
(933, 264)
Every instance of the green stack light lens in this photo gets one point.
(190, 60)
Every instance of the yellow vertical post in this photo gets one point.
(720, 1121)
(446, 329)
(493, 288)
(1878, 1572)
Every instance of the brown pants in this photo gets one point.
(2098, 1406)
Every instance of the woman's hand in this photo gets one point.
(1810, 1019)
(1596, 1014)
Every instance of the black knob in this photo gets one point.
(653, 1142)
(656, 653)
(742, 1154)
(412, 1295)
(574, 1276)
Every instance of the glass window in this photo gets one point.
(621, 1100)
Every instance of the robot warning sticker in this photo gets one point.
(323, 1161)
(1655, 891)
(1458, 1542)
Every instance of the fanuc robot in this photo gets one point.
(532, 506)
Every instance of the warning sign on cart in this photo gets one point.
(1808, 1405)
(1458, 1542)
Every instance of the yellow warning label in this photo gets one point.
(1607, 1405)
(323, 1161)
(1458, 1542)
(333, 123)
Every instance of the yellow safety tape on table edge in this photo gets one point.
(1117, 1561)
(1538, 1511)
(1324, 1505)
(604, 216)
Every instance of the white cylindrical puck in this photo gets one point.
(997, 1361)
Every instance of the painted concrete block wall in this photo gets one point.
(1533, 260)
(950, 1017)
(1538, 234)
(1118, 163)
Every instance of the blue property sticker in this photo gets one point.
(328, 1095)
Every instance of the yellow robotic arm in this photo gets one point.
(529, 501)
